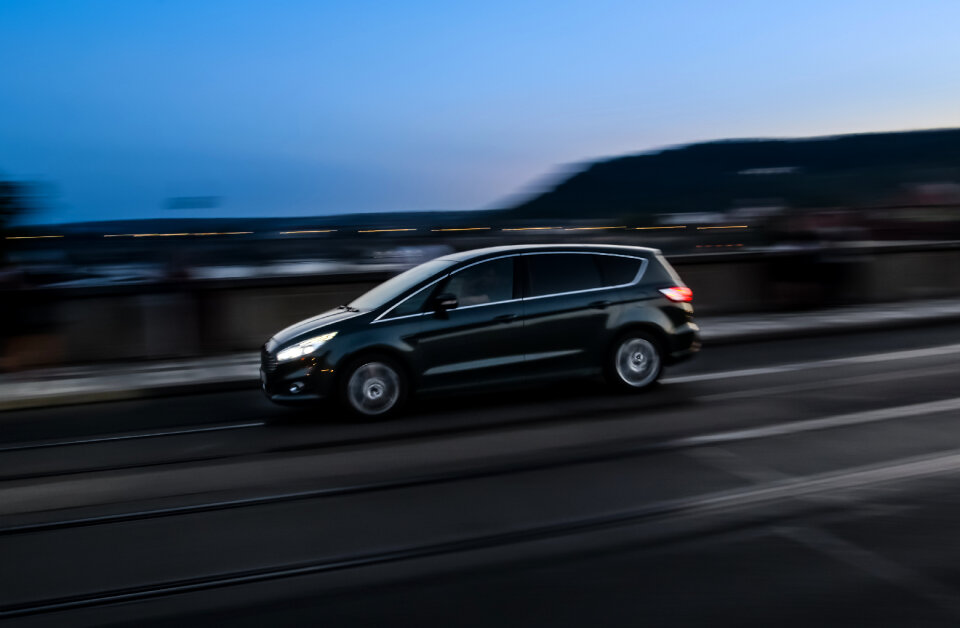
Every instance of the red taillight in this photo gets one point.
(678, 294)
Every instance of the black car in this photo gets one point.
(490, 316)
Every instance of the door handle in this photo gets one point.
(599, 305)
(505, 318)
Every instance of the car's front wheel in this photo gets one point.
(635, 361)
(373, 387)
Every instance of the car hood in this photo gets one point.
(316, 323)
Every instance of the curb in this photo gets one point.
(718, 338)
(102, 396)
(834, 329)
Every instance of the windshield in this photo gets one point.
(396, 286)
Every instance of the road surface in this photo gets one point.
(789, 483)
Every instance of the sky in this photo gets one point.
(305, 107)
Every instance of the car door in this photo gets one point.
(478, 341)
(567, 312)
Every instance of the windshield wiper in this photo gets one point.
(348, 308)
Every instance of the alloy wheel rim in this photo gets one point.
(637, 362)
(374, 388)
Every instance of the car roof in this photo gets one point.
(492, 251)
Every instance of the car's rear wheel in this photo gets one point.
(635, 362)
(373, 387)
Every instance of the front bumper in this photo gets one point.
(305, 380)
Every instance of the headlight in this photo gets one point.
(303, 348)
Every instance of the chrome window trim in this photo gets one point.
(398, 318)
(644, 262)
(467, 307)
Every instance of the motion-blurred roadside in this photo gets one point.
(752, 226)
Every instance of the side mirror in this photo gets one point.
(445, 301)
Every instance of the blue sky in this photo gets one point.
(308, 107)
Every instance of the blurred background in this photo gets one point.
(753, 225)
(193, 178)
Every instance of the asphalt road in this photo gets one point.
(809, 481)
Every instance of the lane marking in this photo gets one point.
(876, 565)
(107, 439)
(816, 364)
(837, 548)
(833, 383)
(644, 448)
(810, 425)
(902, 469)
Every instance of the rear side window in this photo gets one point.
(555, 273)
(616, 270)
(661, 272)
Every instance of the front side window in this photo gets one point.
(392, 288)
(556, 273)
(486, 282)
(415, 304)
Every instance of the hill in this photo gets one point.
(847, 170)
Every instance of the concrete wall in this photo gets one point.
(788, 281)
(197, 318)
(238, 319)
(192, 320)
(911, 275)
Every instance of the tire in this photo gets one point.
(373, 387)
(635, 362)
